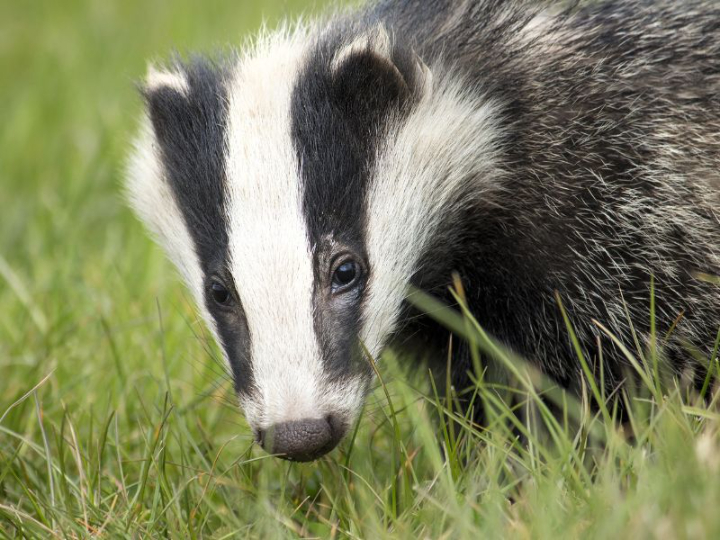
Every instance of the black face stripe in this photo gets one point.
(333, 152)
(339, 118)
(190, 129)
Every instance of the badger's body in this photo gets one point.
(304, 184)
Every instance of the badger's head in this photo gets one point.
(295, 188)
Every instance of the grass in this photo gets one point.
(116, 419)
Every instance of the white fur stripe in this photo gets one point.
(270, 255)
(152, 200)
(448, 141)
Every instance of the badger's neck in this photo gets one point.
(437, 164)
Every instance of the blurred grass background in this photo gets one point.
(132, 430)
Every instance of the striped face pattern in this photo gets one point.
(306, 185)
(295, 187)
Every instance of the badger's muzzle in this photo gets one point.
(302, 440)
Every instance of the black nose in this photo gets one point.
(302, 440)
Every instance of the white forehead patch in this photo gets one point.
(270, 253)
(448, 141)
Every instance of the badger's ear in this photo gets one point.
(166, 97)
(157, 79)
(372, 75)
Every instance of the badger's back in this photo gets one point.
(302, 185)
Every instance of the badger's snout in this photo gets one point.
(302, 440)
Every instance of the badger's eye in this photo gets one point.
(345, 275)
(220, 293)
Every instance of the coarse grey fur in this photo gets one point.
(611, 149)
(611, 113)
(533, 148)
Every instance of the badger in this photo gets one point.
(305, 184)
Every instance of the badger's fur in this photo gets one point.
(302, 185)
